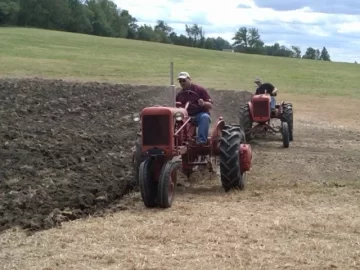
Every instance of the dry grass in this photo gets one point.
(329, 111)
(285, 228)
(300, 211)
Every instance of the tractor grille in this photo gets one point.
(155, 129)
(261, 108)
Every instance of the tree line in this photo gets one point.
(249, 41)
(104, 18)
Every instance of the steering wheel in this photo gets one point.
(194, 104)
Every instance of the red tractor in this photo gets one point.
(167, 143)
(257, 111)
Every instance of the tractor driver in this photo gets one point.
(270, 89)
(200, 113)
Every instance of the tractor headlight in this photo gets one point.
(136, 117)
(179, 116)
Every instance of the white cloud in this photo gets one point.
(300, 27)
(350, 27)
(317, 30)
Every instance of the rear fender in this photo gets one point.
(216, 135)
(245, 157)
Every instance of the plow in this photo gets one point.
(166, 145)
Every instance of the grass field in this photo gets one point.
(32, 52)
(300, 209)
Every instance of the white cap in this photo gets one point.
(183, 75)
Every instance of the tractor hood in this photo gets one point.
(161, 110)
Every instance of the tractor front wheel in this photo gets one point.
(285, 134)
(288, 116)
(230, 168)
(167, 183)
(147, 183)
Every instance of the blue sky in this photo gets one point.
(302, 23)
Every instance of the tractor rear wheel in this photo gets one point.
(148, 185)
(285, 134)
(167, 183)
(245, 120)
(288, 117)
(230, 169)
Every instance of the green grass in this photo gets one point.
(33, 52)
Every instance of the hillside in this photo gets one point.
(53, 54)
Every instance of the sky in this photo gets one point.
(303, 23)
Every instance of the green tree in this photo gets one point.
(324, 55)
(254, 40)
(8, 11)
(48, 14)
(222, 44)
(248, 41)
(310, 53)
(129, 24)
(195, 34)
(146, 32)
(79, 20)
(241, 38)
(162, 30)
(297, 51)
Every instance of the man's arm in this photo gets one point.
(270, 89)
(206, 98)
(207, 105)
(275, 90)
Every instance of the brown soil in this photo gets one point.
(65, 147)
